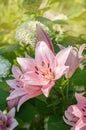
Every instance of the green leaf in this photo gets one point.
(26, 112)
(3, 85)
(41, 98)
(71, 40)
(79, 78)
(63, 22)
(56, 123)
(8, 48)
(3, 96)
(42, 107)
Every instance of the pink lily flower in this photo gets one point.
(46, 68)
(75, 115)
(8, 122)
(20, 91)
(74, 59)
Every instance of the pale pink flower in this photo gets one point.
(20, 91)
(74, 59)
(8, 122)
(75, 115)
(45, 68)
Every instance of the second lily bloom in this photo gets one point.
(74, 59)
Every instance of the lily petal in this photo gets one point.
(11, 112)
(42, 36)
(80, 124)
(26, 63)
(46, 89)
(80, 99)
(27, 97)
(16, 93)
(60, 70)
(12, 83)
(16, 71)
(62, 56)
(44, 54)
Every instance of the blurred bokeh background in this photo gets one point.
(69, 14)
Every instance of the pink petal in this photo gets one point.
(62, 56)
(80, 124)
(60, 70)
(27, 97)
(76, 111)
(16, 93)
(68, 121)
(73, 128)
(42, 36)
(13, 124)
(44, 54)
(12, 103)
(26, 63)
(16, 72)
(46, 88)
(34, 79)
(12, 83)
(60, 46)
(11, 113)
(80, 99)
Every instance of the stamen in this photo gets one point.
(50, 70)
(36, 68)
(83, 109)
(36, 72)
(43, 63)
(84, 116)
(48, 65)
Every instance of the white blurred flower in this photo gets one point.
(27, 33)
(4, 67)
(60, 17)
(50, 14)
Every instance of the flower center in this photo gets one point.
(45, 71)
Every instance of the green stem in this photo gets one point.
(67, 89)
(63, 96)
